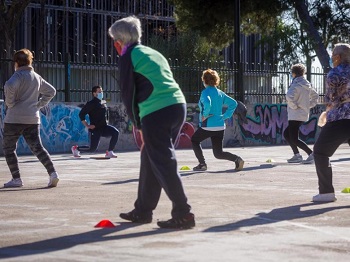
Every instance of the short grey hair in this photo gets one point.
(298, 69)
(128, 30)
(343, 50)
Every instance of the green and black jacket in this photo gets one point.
(147, 83)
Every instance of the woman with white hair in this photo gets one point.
(157, 107)
(301, 96)
(337, 128)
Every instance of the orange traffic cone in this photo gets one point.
(105, 223)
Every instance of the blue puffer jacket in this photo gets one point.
(211, 105)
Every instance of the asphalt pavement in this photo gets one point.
(262, 213)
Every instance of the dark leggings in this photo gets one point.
(31, 134)
(217, 138)
(332, 135)
(291, 134)
(95, 136)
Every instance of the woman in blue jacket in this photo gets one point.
(212, 121)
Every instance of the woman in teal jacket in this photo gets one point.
(212, 121)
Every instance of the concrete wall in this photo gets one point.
(61, 127)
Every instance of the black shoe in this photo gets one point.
(185, 222)
(131, 216)
(239, 164)
(200, 167)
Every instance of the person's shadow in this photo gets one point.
(274, 216)
(66, 242)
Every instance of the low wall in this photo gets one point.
(61, 127)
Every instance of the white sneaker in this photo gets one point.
(110, 154)
(309, 159)
(296, 159)
(75, 151)
(14, 182)
(330, 197)
(53, 181)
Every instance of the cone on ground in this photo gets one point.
(346, 190)
(105, 223)
(185, 168)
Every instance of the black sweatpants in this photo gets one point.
(95, 136)
(31, 134)
(332, 135)
(217, 138)
(291, 134)
(158, 162)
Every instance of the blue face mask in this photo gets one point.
(291, 77)
(331, 62)
(100, 96)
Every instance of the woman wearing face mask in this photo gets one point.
(156, 105)
(300, 98)
(337, 127)
(98, 126)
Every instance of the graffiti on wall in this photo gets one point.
(267, 123)
(61, 127)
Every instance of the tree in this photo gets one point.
(179, 46)
(320, 22)
(10, 16)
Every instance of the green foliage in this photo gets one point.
(277, 21)
(215, 19)
(187, 47)
(210, 18)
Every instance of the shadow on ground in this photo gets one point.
(66, 242)
(276, 215)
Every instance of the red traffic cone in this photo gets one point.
(105, 223)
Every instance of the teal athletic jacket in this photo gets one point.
(147, 83)
(211, 105)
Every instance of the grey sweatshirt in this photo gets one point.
(22, 93)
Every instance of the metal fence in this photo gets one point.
(73, 77)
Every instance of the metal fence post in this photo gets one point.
(67, 77)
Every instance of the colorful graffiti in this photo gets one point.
(61, 127)
(268, 122)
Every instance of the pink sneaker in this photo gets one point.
(75, 151)
(110, 154)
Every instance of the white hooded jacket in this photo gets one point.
(301, 96)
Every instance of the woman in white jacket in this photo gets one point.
(300, 98)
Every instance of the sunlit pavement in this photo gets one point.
(263, 213)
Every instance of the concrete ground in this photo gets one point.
(262, 213)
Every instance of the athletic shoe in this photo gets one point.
(200, 167)
(239, 164)
(309, 159)
(75, 151)
(185, 222)
(329, 197)
(133, 217)
(296, 159)
(110, 154)
(53, 179)
(14, 182)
